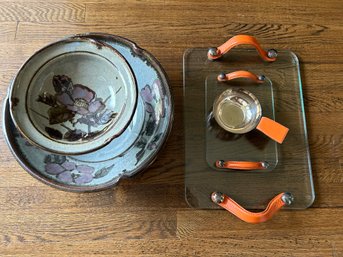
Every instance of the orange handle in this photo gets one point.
(240, 74)
(215, 53)
(241, 165)
(252, 217)
(272, 129)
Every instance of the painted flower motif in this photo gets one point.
(152, 96)
(76, 104)
(153, 143)
(157, 89)
(69, 172)
(81, 100)
(147, 94)
(62, 83)
(152, 146)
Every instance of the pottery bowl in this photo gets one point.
(73, 96)
(125, 156)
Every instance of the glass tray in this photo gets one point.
(252, 146)
(253, 189)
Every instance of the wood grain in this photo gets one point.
(42, 12)
(285, 11)
(147, 215)
(292, 36)
(302, 246)
(8, 31)
(199, 233)
(194, 224)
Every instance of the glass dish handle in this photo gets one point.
(222, 77)
(253, 217)
(216, 52)
(241, 165)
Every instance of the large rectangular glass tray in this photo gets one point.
(253, 190)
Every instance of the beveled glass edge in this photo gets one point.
(313, 194)
(295, 57)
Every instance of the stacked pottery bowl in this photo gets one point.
(87, 110)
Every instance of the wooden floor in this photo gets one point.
(147, 216)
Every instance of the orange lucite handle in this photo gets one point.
(215, 53)
(241, 165)
(272, 129)
(252, 217)
(240, 74)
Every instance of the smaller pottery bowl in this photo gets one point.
(73, 96)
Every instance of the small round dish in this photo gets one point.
(73, 96)
(237, 110)
(130, 153)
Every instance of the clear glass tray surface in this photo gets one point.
(290, 169)
(252, 146)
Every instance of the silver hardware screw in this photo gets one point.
(265, 164)
(272, 53)
(261, 77)
(222, 76)
(217, 197)
(213, 51)
(220, 163)
(287, 198)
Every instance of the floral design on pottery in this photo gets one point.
(125, 161)
(153, 100)
(68, 171)
(76, 104)
(154, 105)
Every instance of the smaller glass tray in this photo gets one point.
(251, 146)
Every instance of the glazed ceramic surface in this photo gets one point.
(73, 96)
(134, 150)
